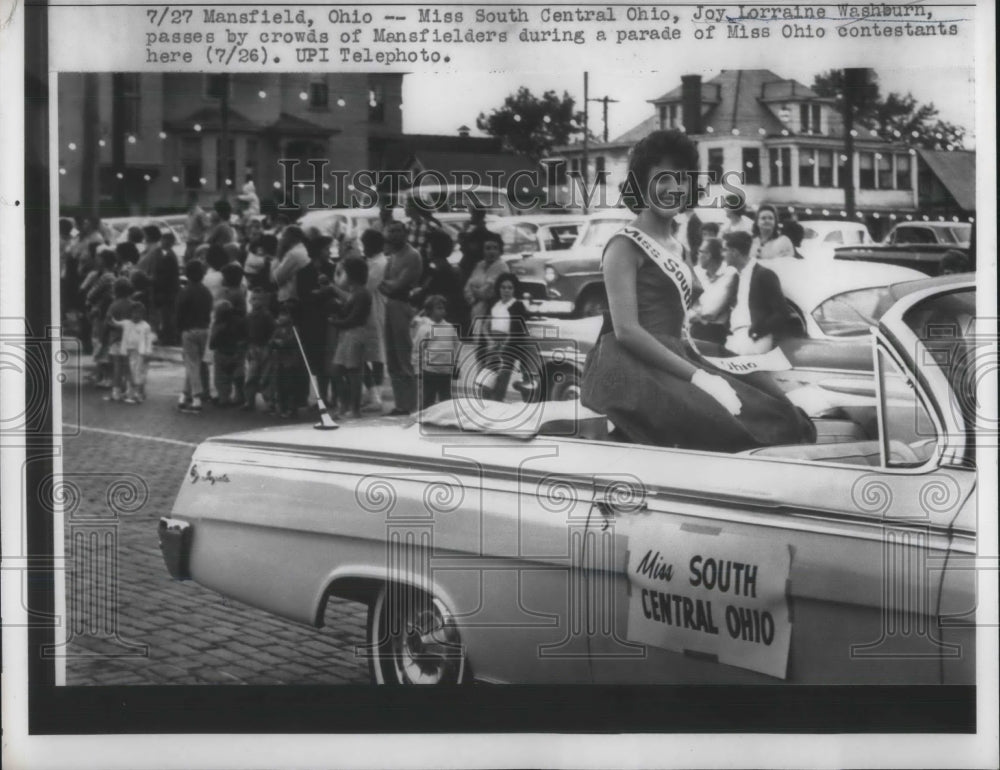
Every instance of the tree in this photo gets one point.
(531, 125)
(894, 116)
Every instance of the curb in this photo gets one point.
(167, 354)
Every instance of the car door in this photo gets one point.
(515, 597)
(814, 564)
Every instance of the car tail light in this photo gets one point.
(175, 543)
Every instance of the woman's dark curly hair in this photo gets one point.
(673, 146)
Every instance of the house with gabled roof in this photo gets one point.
(785, 140)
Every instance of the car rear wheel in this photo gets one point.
(593, 302)
(413, 640)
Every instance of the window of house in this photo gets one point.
(673, 116)
(376, 102)
(809, 118)
(824, 168)
(131, 101)
(885, 178)
(319, 95)
(807, 168)
(751, 165)
(866, 170)
(574, 166)
(191, 162)
(781, 166)
(903, 180)
(663, 116)
(216, 86)
(715, 161)
(229, 172)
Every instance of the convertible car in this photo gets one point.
(519, 543)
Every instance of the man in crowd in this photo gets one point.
(471, 241)
(221, 231)
(197, 226)
(402, 275)
(760, 314)
(422, 222)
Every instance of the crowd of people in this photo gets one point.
(258, 304)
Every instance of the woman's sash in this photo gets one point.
(679, 274)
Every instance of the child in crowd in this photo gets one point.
(228, 343)
(260, 327)
(137, 342)
(258, 264)
(435, 351)
(285, 364)
(356, 334)
(119, 310)
(97, 289)
(233, 288)
(194, 313)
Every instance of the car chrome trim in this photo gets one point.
(585, 484)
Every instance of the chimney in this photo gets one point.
(691, 103)
(463, 131)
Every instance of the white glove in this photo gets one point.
(718, 389)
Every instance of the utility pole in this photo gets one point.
(224, 135)
(586, 131)
(855, 81)
(605, 100)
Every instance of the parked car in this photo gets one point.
(833, 318)
(120, 225)
(530, 240)
(571, 281)
(821, 237)
(951, 234)
(472, 536)
(456, 200)
(919, 245)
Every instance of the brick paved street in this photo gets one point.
(171, 632)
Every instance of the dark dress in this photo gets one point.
(652, 406)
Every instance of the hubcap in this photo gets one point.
(427, 649)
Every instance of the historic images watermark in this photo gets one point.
(92, 559)
(45, 361)
(523, 191)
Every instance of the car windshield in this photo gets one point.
(519, 238)
(557, 237)
(600, 231)
(852, 313)
(961, 234)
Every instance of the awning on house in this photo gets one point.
(956, 170)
